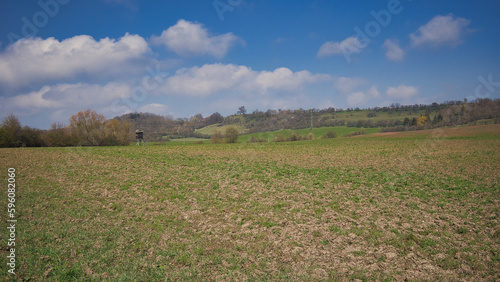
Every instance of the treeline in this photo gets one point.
(86, 128)
(476, 113)
(435, 115)
(162, 128)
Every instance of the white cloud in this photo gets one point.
(69, 95)
(206, 80)
(285, 79)
(362, 98)
(56, 103)
(373, 92)
(347, 47)
(346, 84)
(214, 78)
(154, 108)
(352, 89)
(440, 31)
(393, 51)
(402, 91)
(36, 60)
(191, 39)
(356, 99)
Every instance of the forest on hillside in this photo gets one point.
(395, 117)
(88, 128)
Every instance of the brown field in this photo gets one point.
(420, 205)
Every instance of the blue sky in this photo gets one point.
(186, 57)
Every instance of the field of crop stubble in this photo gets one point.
(418, 205)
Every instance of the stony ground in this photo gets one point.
(418, 206)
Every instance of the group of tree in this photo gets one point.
(160, 128)
(12, 134)
(418, 116)
(454, 114)
(230, 135)
(86, 128)
(293, 137)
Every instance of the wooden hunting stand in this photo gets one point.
(139, 136)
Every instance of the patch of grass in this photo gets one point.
(359, 253)
(325, 242)
(427, 242)
(261, 211)
(448, 264)
(462, 230)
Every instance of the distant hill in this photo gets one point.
(392, 118)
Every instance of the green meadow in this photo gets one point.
(420, 205)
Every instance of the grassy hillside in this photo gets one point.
(392, 118)
(379, 115)
(387, 206)
(245, 123)
(318, 132)
(210, 130)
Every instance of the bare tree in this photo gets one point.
(118, 132)
(58, 135)
(88, 127)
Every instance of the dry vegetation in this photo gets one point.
(419, 206)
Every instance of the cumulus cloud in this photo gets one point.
(285, 79)
(56, 103)
(355, 91)
(205, 80)
(363, 97)
(154, 108)
(393, 51)
(346, 84)
(402, 91)
(78, 95)
(35, 60)
(356, 99)
(373, 92)
(441, 31)
(347, 46)
(213, 78)
(192, 39)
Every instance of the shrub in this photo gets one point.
(330, 134)
(280, 138)
(232, 134)
(361, 132)
(216, 138)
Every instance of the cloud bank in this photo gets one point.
(210, 79)
(441, 31)
(192, 39)
(36, 60)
